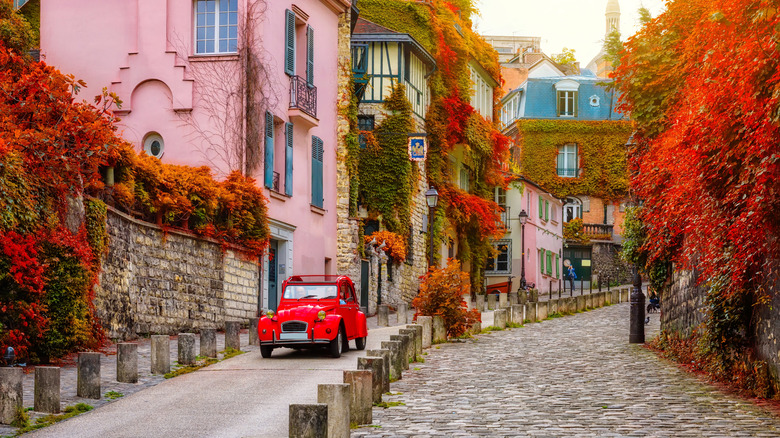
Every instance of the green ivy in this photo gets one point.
(405, 17)
(96, 226)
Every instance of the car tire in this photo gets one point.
(266, 350)
(360, 343)
(336, 345)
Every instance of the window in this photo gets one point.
(216, 26)
(365, 123)
(568, 165)
(572, 209)
(554, 213)
(567, 103)
(288, 159)
(269, 150)
(154, 144)
(464, 178)
(291, 23)
(500, 197)
(317, 151)
(502, 262)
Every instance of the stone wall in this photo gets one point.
(155, 282)
(682, 307)
(767, 331)
(606, 262)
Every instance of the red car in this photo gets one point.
(314, 311)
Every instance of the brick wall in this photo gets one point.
(154, 282)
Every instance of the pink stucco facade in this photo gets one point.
(145, 51)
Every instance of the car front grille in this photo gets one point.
(294, 326)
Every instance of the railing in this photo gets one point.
(598, 231)
(302, 96)
(568, 172)
(275, 183)
(505, 217)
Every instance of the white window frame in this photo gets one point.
(575, 206)
(215, 27)
(570, 154)
(495, 270)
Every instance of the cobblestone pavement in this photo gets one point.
(575, 376)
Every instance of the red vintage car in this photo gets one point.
(314, 311)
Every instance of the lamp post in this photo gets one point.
(432, 198)
(523, 218)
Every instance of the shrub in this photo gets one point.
(441, 294)
(396, 246)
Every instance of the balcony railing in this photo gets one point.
(505, 217)
(302, 96)
(598, 231)
(568, 172)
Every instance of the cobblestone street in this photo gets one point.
(573, 376)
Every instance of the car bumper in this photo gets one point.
(294, 338)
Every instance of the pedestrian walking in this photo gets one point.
(572, 277)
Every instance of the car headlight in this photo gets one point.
(321, 315)
(270, 313)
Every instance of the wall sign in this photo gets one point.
(418, 147)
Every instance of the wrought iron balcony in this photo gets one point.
(302, 96)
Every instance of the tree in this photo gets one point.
(566, 57)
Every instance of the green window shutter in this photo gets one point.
(289, 39)
(549, 262)
(269, 150)
(557, 267)
(546, 210)
(309, 56)
(316, 172)
(541, 261)
(541, 208)
(288, 159)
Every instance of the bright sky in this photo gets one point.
(575, 24)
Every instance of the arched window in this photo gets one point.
(572, 209)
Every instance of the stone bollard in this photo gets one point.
(11, 394)
(384, 354)
(533, 295)
(467, 299)
(337, 397)
(418, 335)
(552, 307)
(530, 311)
(499, 318)
(406, 346)
(208, 342)
(513, 298)
(480, 302)
(396, 358)
(542, 310)
(427, 330)
(47, 390)
(503, 301)
(581, 303)
(383, 316)
(491, 301)
(522, 297)
(253, 338)
(308, 421)
(401, 314)
(412, 352)
(88, 379)
(161, 354)
(476, 327)
(517, 313)
(186, 348)
(439, 331)
(126, 362)
(375, 365)
(589, 301)
(233, 335)
(361, 396)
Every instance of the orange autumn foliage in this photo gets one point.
(441, 294)
(396, 245)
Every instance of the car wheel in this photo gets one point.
(266, 350)
(337, 344)
(360, 343)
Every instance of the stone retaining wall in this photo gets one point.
(154, 282)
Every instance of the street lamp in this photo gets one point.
(432, 198)
(523, 218)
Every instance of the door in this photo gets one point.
(348, 308)
(273, 265)
(364, 285)
(580, 259)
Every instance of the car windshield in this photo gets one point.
(310, 291)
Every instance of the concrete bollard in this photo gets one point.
(530, 311)
(88, 379)
(491, 301)
(337, 397)
(467, 299)
(186, 348)
(11, 394)
(522, 297)
(439, 331)
(396, 358)
(418, 334)
(161, 354)
(233, 335)
(384, 354)
(406, 346)
(476, 328)
(253, 338)
(127, 362)
(589, 301)
(480, 302)
(383, 316)
(401, 314)
(503, 301)
(499, 318)
(47, 390)
(375, 365)
(208, 343)
(412, 333)
(517, 313)
(361, 401)
(427, 330)
(552, 307)
(513, 299)
(542, 310)
(308, 421)
(581, 303)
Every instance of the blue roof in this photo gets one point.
(594, 101)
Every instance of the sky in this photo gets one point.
(574, 24)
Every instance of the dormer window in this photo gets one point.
(566, 97)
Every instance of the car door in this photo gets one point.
(349, 307)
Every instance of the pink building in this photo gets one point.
(232, 84)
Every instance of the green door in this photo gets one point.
(273, 297)
(580, 259)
